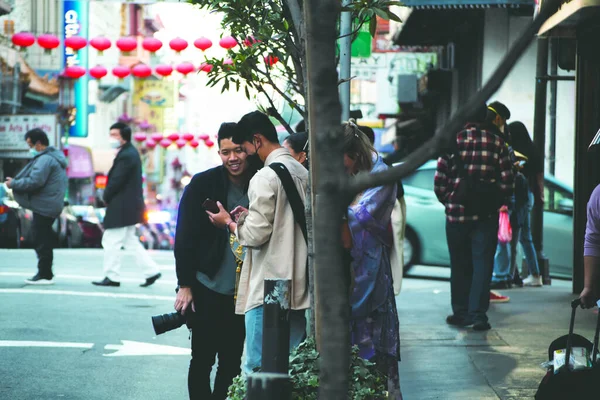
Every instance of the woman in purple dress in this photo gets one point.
(368, 236)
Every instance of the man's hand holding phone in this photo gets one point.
(217, 213)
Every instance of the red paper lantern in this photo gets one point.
(164, 143)
(250, 41)
(178, 44)
(23, 39)
(139, 136)
(141, 71)
(271, 60)
(206, 67)
(98, 72)
(75, 72)
(187, 137)
(180, 143)
(127, 44)
(157, 137)
(185, 68)
(100, 43)
(150, 143)
(48, 42)
(121, 72)
(75, 42)
(209, 143)
(194, 143)
(228, 42)
(203, 43)
(164, 70)
(204, 136)
(173, 137)
(151, 44)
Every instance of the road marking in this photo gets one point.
(91, 278)
(90, 294)
(131, 348)
(27, 343)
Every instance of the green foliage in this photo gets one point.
(366, 382)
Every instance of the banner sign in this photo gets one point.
(14, 127)
(75, 23)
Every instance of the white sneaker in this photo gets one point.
(38, 280)
(533, 281)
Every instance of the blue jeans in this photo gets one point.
(254, 335)
(471, 245)
(505, 261)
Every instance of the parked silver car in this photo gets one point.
(425, 241)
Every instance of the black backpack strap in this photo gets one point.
(292, 195)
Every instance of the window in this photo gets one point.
(553, 194)
(422, 179)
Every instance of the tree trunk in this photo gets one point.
(325, 112)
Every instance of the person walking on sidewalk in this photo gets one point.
(207, 261)
(276, 247)
(125, 208)
(41, 187)
(473, 182)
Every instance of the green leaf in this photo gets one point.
(381, 13)
(373, 26)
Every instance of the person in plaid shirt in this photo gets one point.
(472, 238)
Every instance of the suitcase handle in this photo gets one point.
(574, 305)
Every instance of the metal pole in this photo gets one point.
(276, 326)
(552, 107)
(14, 107)
(345, 59)
(539, 140)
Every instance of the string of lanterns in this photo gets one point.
(181, 140)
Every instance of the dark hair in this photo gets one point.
(253, 123)
(298, 142)
(227, 131)
(124, 130)
(301, 126)
(37, 135)
(369, 132)
(520, 139)
(356, 145)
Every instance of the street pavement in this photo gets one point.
(74, 340)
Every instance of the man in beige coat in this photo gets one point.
(276, 248)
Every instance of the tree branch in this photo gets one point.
(444, 135)
(272, 111)
(281, 92)
(292, 7)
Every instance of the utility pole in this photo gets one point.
(552, 107)
(345, 59)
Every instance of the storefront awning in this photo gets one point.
(570, 14)
(466, 3)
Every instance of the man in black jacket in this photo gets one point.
(125, 208)
(207, 260)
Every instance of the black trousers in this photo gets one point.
(216, 330)
(43, 241)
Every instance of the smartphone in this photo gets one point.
(211, 205)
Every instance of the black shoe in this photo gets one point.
(501, 285)
(107, 282)
(151, 280)
(482, 326)
(39, 280)
(455, 320)
(517, 281)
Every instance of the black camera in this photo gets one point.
(168, 322)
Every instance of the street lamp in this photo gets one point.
(66, 111)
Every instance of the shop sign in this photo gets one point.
(14, 127)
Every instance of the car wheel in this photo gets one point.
(411, 249)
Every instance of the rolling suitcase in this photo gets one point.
(567, 382)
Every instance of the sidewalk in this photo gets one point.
(442, 362)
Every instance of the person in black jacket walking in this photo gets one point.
(40, 187)
(208, 262)
(125, 208)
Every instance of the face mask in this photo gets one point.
(114, 143)
(33, 152)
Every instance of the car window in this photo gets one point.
(422, 179)
(553, 194)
